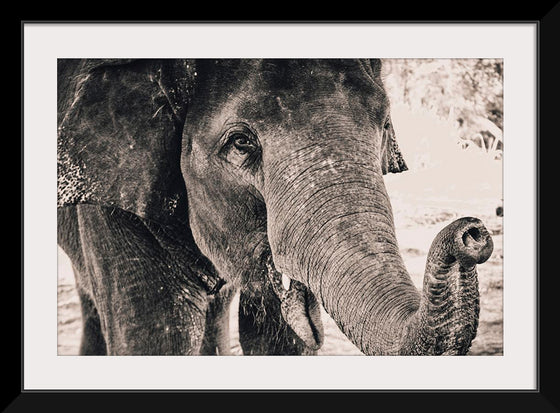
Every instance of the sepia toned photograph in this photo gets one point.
(281, 206)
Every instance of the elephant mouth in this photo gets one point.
(298, 305)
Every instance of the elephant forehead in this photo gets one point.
(277, 95)
(311, 94)
(287, 83)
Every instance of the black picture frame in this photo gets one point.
(544, 398)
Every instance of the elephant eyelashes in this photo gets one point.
(242, 149)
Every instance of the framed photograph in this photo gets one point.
(272, 200)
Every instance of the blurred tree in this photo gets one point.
(468, 92)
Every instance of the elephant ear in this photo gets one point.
(391, 156)
(119, 135)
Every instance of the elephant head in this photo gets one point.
(275, 169)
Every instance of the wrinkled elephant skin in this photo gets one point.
(177, 176)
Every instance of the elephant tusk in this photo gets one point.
(286, 282)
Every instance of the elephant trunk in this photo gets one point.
(447, 319)
(336, 235)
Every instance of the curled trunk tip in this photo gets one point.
(447, 320)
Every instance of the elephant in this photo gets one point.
(184, 181)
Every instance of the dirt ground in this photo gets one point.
(419, 214)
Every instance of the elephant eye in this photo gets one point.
(242, 148)
(387, 124)
(242, 142)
